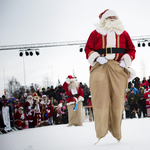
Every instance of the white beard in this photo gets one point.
(30, 101)
(73, 85)
(108, 24)
(45, 100)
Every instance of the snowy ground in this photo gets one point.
(135, 135)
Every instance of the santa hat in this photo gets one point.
(35, 95)
(29, 96)
(108, 13)
(20, 108)
(44, 96)
(70, 77)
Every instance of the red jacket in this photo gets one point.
(89, 102)
(71, 100)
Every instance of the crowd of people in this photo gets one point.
(36, 108)
(44, 107)
(137, 101)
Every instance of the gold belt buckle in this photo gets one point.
(110, 50)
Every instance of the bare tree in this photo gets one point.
(14, 88)
(47, 81)
(143, 68)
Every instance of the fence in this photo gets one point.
(88, 113)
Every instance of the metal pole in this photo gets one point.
(24, 73)
(4, 77)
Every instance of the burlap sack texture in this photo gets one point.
(108, 84)
(75, 117)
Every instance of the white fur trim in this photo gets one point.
(42, 102)
(127, 60)
(111, 42)
(132, 74)
(81, 98)
(67, 81)
(92, 58)
(104, 32)
(60, 105)
(109, 13)
(70, 103)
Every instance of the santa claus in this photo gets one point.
(29, 110)
(37, 113)
(110, 52)
(21, 121)
(74, 101)
(45, 110)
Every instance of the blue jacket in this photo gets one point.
(136, 91)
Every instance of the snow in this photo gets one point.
(135, 135)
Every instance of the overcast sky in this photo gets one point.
(44, 21)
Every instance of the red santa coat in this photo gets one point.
(37, 113)
(28, 106)
(19, 121)
(72, 100)
(97, 41)
(45, 110)
(147, 97)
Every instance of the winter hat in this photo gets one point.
(64, 107)
(142, 88)
(108, 13)
(35, 95)
(13, 99)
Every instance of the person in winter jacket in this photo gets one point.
(142, 103)
(136, 91)
(132, 99)
(136, 82)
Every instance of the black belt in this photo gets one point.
(111, 50)
(76, 95)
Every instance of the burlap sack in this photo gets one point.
(75, 117)
(108, 84)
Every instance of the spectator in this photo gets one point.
(142, 103)
(38, 92)
(145, 83)
(89, 102)
(149, 81)
(43, 91)
(129, 85)
(55, 103)
(52, 92)
(64, 115)
(127, 108)
(136, 91)
(48, 93)
(32, 90)
(133, 104)
(57, 116)
(136, 82)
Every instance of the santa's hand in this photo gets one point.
(26, 123)
(29, 107)
(22, 117)
(122, 63)
(101, 60)
(67, 80)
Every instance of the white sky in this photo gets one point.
(36, 21)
